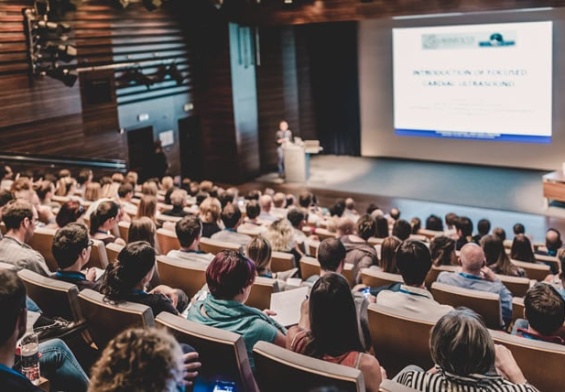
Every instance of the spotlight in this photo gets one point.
(41, 7)
(66, 53)
(54, 27)
(152, 5)
(64, 75)
(176, 74)
(123, 4)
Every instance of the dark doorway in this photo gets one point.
(190, 143)
(140, 148)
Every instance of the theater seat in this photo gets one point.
(42, 241)
(98, 255)
(112, 251)
(214, 247)
(372, 277)
(533, 270)
(399, 339)
(280, 370)
(189, 276)
(434, 272)
(167, 240)
(123, 228)
(281, 261)
(260, 295)
(484, 303)
(309, 266)
(518, 286)
(222, 353)
(105, 320)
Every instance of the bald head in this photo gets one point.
(472, 258)
(266, 202)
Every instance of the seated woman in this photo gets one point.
(522, 249)
(103, 221)
(388, 255)
(280, 235)
(466, 359)
(259, 251)
(230, 277)
(71, 211)
(442, 249)
(126, 280)
(148, 208)
(328, 330)
(210, 210)
(144, 229)
(497, 259)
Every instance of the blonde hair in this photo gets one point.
(149, 188)
(280, 234)
(259, 250)
(92, 191)
(140, 359)
(206, 186)
(167, 183)
(210, 210)
(147, 207)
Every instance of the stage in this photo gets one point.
(418, 188)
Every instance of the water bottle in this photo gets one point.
(30, 357)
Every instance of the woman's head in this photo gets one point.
(69, 212)
(382, 227)
(142, 229)
(442, 250)
(132, 269)
(140, 359)
(522, 249)
(388, 254)
(259, 250)
(106, 214)
(149, 188)
(493, 248)
(147, 207)
(280, 235)
(229, 274)
(333, 318)
(210, 210)
(92, 191)
(461, 344)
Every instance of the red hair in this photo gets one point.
(229, 273)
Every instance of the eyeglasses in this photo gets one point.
(90, 243)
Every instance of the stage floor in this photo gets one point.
(419, 188)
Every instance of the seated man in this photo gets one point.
(359, 252)
(71, 249)
(57, 362)
(189, 232)
(476, 275)
(278, 209)
(231, 217)
(544, 312)
(251, 221)
(266, 204)
(178, 200)
(20, 218)
(414, 261)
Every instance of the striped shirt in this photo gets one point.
(446, 382)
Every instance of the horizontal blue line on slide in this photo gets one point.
(473, 135)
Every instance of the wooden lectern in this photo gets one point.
(297, 159)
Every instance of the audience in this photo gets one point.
(230, 277)
(280, 235)
(483, 228)
(475, 275)
(433, 222)
(464, 227)
(266, 204)
(466, 358)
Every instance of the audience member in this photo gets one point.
(381, 230)
(20, 219)
(147, 207)
(71, 249)
(92, 191)
(433, 222)
(552, 242)
(401, 229)
(466, 358)
(360, 253)
(544, 310)
(297, 219)
(500, 233)
(464, 228)
(341, 344)
(178, 200)
(518, 229)
(415, 225)
(388, 254)
(450, 225)
(497, 258)
(144, 229)
(442, 251)
(189, 232)
(522, 249)
(350, 211)
(483, 228)
(71, 211)
(230, 277)
(231, 217)
(279, 205)
(280, 235)
(144, 359)
(414, 261)
(476, 275)
(127, 277)
(210, 211)
(266, 204)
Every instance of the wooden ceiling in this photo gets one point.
(277, 12)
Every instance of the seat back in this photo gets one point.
(374, 278)
(517, 286)
(484, 303)
(105, 320)
(189, 276)
(549, 260)
(309, 266)
(541, 362)
(518, 308)
(214, 247)
(533, 271)
(54, 297)
(322, 233)
(112, 251)
(280, 370)
(260, 295)
(430, 234)
(399, 339)
(313, 247)
(281, 261)
(42, 241)
(375, 241)
(98, 255)
(434, 272)
(222, 353)
(167, 240)
(123, 228)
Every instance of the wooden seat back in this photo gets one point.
(189, 276)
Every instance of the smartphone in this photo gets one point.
(224, 386)
(366, 292)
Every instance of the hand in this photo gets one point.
(168, 292)
(91, 274)
(191, 367)
(269, 312)
(304, 321)
(487, 274)
(506, 365)
(359, 287)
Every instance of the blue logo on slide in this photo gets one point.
(496, 39)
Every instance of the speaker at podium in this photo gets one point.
(297, 158)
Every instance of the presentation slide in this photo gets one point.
(487, 81)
